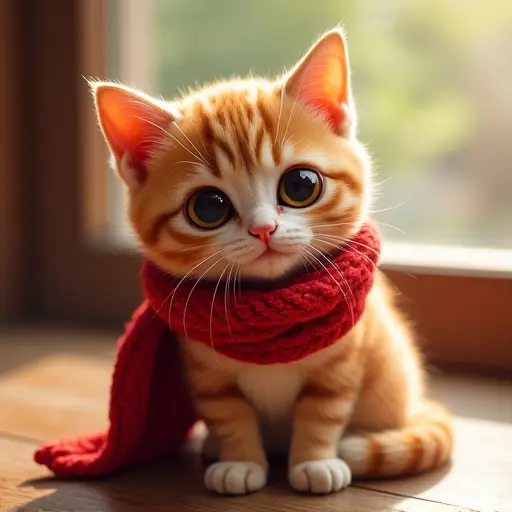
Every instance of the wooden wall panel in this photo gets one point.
(11, 222)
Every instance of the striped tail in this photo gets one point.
(424, 444)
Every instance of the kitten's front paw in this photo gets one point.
(320, 476)
(235, 478)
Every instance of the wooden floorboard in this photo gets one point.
(56, 383)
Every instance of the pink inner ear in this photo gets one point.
(333, 114)
(132, 124)
(321, 79)
(324, 87)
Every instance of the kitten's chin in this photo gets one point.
(271, 265)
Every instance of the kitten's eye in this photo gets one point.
(299, 187)
(209, 208)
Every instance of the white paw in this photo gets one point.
(320, 476)
(235, 477)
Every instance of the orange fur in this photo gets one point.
(360, 401)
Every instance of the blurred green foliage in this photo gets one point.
(404, 54)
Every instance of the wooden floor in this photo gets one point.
(54, 384)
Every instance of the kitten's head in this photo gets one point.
(249, 176)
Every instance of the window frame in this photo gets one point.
(461, 319)
(77, 281)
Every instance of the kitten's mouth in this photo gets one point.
(269, 254)
(270, 264)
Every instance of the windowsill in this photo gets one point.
(447, 260)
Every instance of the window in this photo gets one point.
(450, 175)
(431, 85)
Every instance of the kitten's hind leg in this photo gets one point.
(210, 447)
(203, 442)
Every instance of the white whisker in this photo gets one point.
(349, 240)
(226, 298)
(341, 276)
(369, 261)
(390, 226)
(173, 293)
(205, 149)
(292, 110)
(279, 116)
(344, 247)
(192, 291)
(388, 209)
(212, 307)
(385, 180)
(195, 247)
(166, 132)
(332, 277)
(198, 155)
(238, 278)
(295, 143)
(333, 224)
(192, 144)
(187, 162)
(306, 260)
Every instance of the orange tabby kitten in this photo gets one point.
(215, 192)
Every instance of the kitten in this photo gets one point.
(249, 178)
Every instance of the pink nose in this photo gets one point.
(263, 232)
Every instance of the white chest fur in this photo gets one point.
(272, 389)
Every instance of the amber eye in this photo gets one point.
(299, 187)
(209, 208)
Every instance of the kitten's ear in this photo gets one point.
(321, 80)
(133, 125)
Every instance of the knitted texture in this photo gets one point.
(150, 408)
(271, 326)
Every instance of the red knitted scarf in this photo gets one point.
(150, 408)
